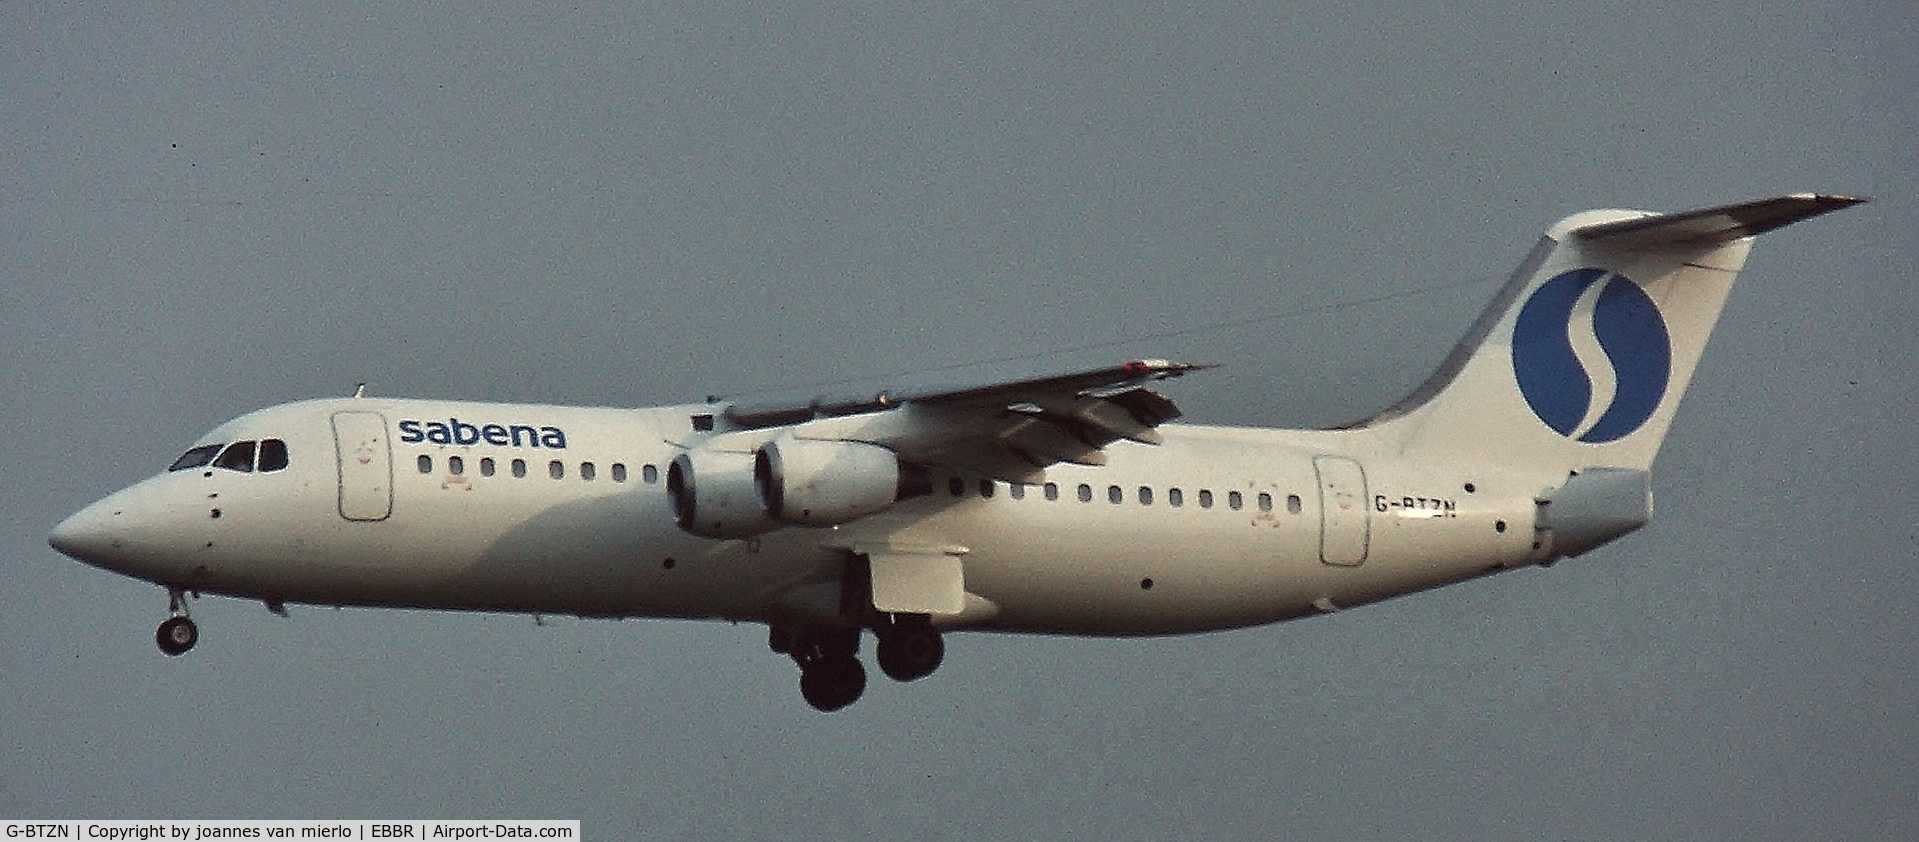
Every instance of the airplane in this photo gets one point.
(1061, 504)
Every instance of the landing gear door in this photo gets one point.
(366, 465)
(1344, 525)
(918, 583)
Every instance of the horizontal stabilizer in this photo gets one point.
(1713, 226)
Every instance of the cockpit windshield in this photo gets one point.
(273, 455)
(237, 457)
(242, 456)
(196, 457)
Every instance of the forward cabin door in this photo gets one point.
(1344, 520)
(366, 465)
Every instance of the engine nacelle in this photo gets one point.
(714, 496)
(823, 483)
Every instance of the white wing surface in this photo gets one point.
(1009, 430)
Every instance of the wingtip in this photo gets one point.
(1828, 202)
(1835, 199)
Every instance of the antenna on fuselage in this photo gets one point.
(359, 391)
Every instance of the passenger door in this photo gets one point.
(366, 465)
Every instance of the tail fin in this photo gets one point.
(1581, 359)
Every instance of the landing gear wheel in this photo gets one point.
(909, 649)
(177, 635)
(832, 683)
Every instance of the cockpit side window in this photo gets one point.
(273, 455)
(237, 457)
(195, 458)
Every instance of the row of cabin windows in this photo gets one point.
(1175, 497)
(456, 465)
(1116, 495)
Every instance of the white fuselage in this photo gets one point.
(1215, 527)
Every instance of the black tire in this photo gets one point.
(177, 635)
(830, 684)
(779, 640)
(910, 651)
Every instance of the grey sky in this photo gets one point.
(206, 208)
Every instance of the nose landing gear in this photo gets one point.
(178, 633)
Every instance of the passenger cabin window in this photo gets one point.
(619, 472)
(1265, 502)
(519, 468)
(486, 466)
(426, 463)
(649, 474)
(1205, 498)
(455, 465)
(587, 471)
(1292, 504)
(1052, 491)
(1234, 501)
(237, 457)
(556, 469)
(1175, 497)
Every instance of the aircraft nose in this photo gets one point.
(86, 536)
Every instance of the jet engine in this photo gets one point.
(713, 495)
(823, 483)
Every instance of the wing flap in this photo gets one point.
(1045, 443)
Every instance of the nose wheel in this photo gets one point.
(178, 633)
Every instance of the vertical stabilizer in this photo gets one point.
(1582, 357)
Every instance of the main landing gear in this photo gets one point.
(178, 633)
(831, 675)
(909, 647)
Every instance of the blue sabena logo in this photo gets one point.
(1592, 355)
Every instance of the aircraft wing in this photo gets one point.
(1009, 429)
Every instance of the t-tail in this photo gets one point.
(1576, 368)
